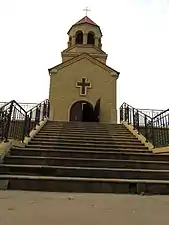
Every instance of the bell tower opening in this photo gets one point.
(100, 43)
(79, 37)
(70, 42)
(90, 38)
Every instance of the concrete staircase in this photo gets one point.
(86, 157)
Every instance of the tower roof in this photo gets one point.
(86, 19)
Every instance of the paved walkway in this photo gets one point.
(40, 208)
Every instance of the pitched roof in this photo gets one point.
(86, 19)
(79, 57)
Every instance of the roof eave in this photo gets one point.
(84, 23)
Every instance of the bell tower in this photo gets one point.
(85, 36)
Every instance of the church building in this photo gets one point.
(83, 87)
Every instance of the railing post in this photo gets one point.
(48, 109)
(37, 117)
(127, 114)
(8, 122)
(167, 122)
(25, 128)
(134, 121)
(2, 124)
(44, 110)
(137, 121)
(146, 127)
(121, 113)
(130, 115)
(29, 122)
(152, 133)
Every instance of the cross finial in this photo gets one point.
(86, 10)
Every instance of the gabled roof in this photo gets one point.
(86, 19)
(87, 56)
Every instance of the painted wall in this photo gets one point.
(63, 91)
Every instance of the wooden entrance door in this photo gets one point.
(97, 111)
(76, 112)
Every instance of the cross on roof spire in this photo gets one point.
(86, 10)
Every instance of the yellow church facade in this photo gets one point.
(83, 87)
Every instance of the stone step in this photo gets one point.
(85, 128)
(80, 129)
(86, 172)
(80, 124)
(79, 140)
(114, 154)
(69, 152)
(86, 162)
(85, 131)
(99, 128)
(87, 143)
(84, 137)
(80, 133)
(57, 146)
(86, 185)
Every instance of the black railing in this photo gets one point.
(36, 114)
(12, 118)
(161, 129)
(154, 129)
(151, 112)
(16, 122)
(25, 106)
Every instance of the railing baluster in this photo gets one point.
(146, 127)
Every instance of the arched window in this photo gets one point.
(70, 41)
(100, 43)
(79, 37)
(90, 38)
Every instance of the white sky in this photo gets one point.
(135, 35)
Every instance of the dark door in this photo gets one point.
(88, 113)
(76, 112)
(97, 111)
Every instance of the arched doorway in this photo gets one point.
(82, 111)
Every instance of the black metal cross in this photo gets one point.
(83, 85)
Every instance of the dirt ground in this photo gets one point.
(44, 208)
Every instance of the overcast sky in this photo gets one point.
(135, 35)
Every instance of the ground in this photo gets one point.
(29, 208)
